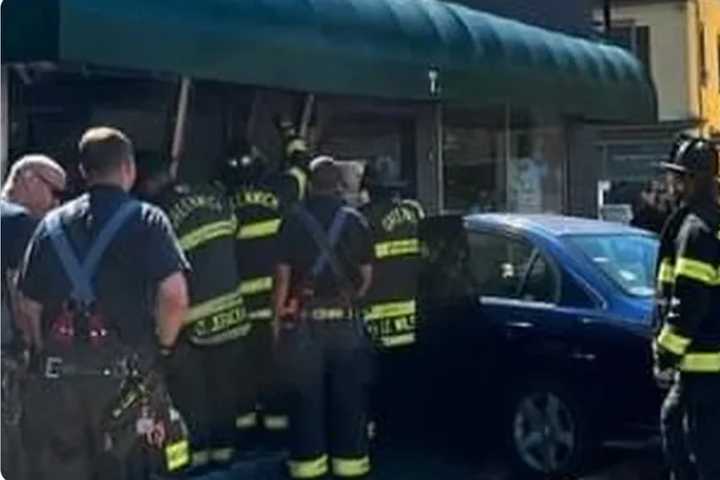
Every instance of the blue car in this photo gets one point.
(537, 329)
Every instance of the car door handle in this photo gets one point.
(520, 325)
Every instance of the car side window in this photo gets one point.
(540, 283)
(499, 264)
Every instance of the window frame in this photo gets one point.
(537, 252)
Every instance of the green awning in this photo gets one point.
(378, 48)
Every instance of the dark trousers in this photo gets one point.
(397, 406)
(702, 397)
(208, 385)
(328, 368)
(62, 428)
(674, 435)
(271, 401)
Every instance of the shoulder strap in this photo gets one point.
(326, 242)
(80, 275)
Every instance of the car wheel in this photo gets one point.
(547, 430)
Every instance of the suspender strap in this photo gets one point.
(326, 242)
(81, 275)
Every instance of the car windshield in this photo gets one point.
(628, 260)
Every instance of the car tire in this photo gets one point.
(547, 430)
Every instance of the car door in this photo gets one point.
(518, 288)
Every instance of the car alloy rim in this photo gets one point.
(544, 432)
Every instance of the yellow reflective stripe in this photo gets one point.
(696, 270)
(351, 467)
(389, 310)
(301, 178)
(177, 455)
(276, 422)
(397, 247)
(256, 285)
(398, 340)
(418, 207)
(295, 145)
(314, 468)
(222, 454)
(206, 233)
(219, 338)
(214, 305)
(671, 341)
(259, 229)
(665, 272)
(200, 458)
(249, 420)
(701, 363)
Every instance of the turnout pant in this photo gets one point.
(702, 397)
(271, 401)
(327, 364)
(62, 428)
(208, 385)
(675, 443)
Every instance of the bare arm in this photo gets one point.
(171, 308)
(366, 280)
(282, 288)
(281, 295)
(31, 313)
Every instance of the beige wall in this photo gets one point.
(669, 42)
(675, 55)
(708, 15)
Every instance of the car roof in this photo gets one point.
(552, 225)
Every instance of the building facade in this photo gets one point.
(679, 42)
(472, 110)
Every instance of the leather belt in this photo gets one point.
(327, 314)
(56, 367)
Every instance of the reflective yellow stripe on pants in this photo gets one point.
(275, 422)
(246, 421)
(351, 467)
(177, 455)
(222, 455)
(312, 468)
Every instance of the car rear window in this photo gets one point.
(628, 260)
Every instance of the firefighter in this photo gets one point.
(258, 205)
(208, 377)
(689, 340)
(676, 450)
(104, 289)
(325, 255)
(390, 307)
(295, 164)
(35, 185)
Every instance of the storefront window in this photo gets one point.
(535, 169)
(473, 157)
(382, 140)
(489, 167)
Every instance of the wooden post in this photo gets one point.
(180, 122)
(4, 121)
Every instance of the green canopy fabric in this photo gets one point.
(377, 48)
